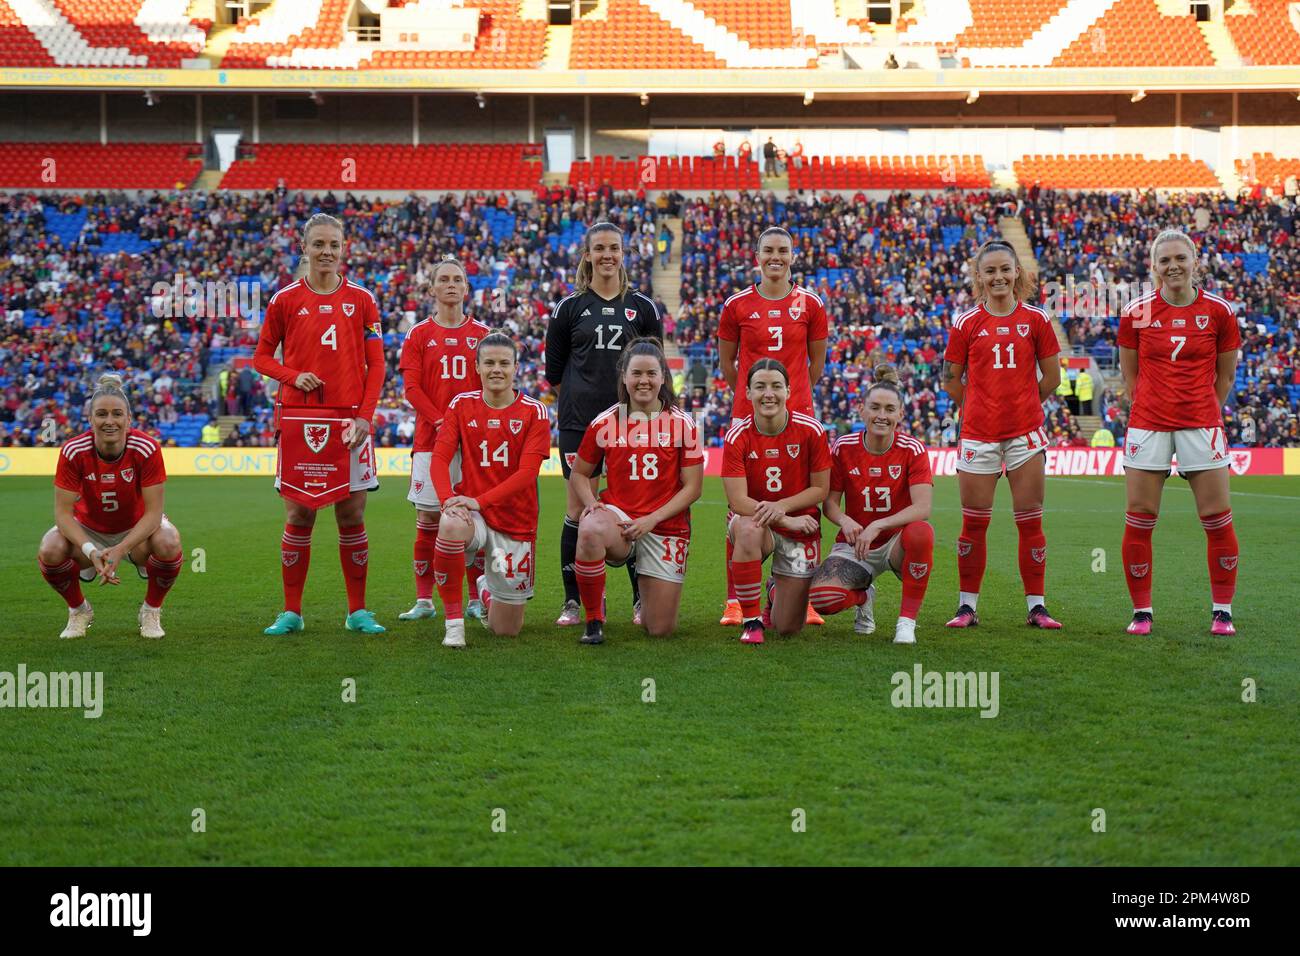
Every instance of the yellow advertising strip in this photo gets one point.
(793, 82)
(251, 462)
(1291, 461)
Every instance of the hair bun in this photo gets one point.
(885, 373)
(110, 380)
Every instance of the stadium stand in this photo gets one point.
(18, 45)
(386, 166)
(1007, 23)
(155, 29)
(1268, 36)
(90, 165)
(1115, 172)
(891, 172)
(633, 36)
(1267, 170)
(667, 172)
(1137, 33)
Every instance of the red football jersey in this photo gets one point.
(1001, 355)
(774, 328)
(492, 442)
(1178, 350)
(778, 466)
(877, 486)
(112, 492)
(443, 359)
(325, 335)
(644, 460)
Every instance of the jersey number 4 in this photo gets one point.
(331, 338)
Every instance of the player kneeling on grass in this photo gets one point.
(776, 471)
(654, 470)
(884, 475)
(108, 505)
(501, 437)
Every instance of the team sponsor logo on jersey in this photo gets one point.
(1155, 324)
(1180, 323)
(774, 313)
(349, 308)
(754, 315)
(450, 341)
(421, 568)
(440, 577)
(316, 436)
(91, 476)
(753, 454)
(983, 332)
(128, 474)
(606, 311)
(360, 557)
(873, 472)
(1038, 554)
(963, 548)
(471, 341)
(918, 569)
(854, 471)
(516, 424)
(631, 314)
(303, 311)
(289, 558)
(1240, 462)
(107, 479)
(1202, 322)
(895, 471)
(1004, 330)
(1022, 331)
(792, 450)
(585, 312)
(1228, 562)
(1139, 570)
(772, 452)
(473, 423)
(326, 308)
(494, 423)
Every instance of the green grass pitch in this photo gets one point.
(254, 730)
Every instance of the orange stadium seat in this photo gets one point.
(102, 33)
(1266, 37)
(386, 166)
(1136, 33)
(92, 166)
(1007, 23)
(891, 172)
(1267, 170)
(1115, 172)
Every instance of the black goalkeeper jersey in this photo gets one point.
(584, 342)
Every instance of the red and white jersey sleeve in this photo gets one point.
(325, 335)
(1178, 351)
(876, 486)
(493, 443)
(1001, 355)
(782, 329)
(445, 359)
(644, 461)
(778, 466)
(111, 493)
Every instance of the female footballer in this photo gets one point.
(1000, 364)
(775, 471)
(654, 470)
(880, 496)
(108, 505)
(1178, 350)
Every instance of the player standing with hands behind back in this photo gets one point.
(585, 338)
(1178, 352)
(772, 319)
(333, 354)
(1000, 364)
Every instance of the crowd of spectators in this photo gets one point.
(891, 273)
